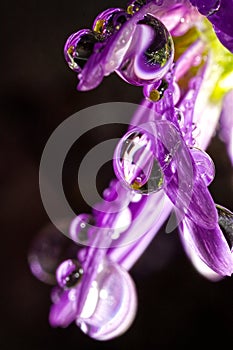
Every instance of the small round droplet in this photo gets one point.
(69, 273)
(150, 54)
(180, 116)
(78, 48)
(79, 228)
(136, 165)
(225, 220)
(109, 21)
(154, 92)
(111, 303)
(134, 6)
(204, 164)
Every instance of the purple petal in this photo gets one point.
(219, 14)
(200, 266)
(209, 244)
(226, 123)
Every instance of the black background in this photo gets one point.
(177, 306)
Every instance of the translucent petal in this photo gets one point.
(210, 245)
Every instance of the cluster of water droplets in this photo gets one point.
(144, 53)
(89, 278)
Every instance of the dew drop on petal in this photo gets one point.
(180, 116)
(78, 48)
(136, 165)
(150, 55)
(225, 220)
(111, 303)
(79, 228)
(109, 21)
(154, 92)
(204, 164)
(134, 6)
(69, 273)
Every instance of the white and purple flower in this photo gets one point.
(170, 49)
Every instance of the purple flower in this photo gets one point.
(170, 50)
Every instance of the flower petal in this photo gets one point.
(209, 245)
(226, 122)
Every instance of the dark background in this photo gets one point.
(38, 91)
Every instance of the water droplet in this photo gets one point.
(79, 228)
(111, 303)
(109, 21)
(134, 6)
(180, 116)
(214, 9)
(188, 104)
(225, 220)
(154, 92)
(136, 165)
(150, 54)
(78, 48)
(48, 249)
(205, 165)
(69, 273)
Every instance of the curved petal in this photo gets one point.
(200, 266)
(209, 245)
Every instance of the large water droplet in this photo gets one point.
(111, 303)
(78, 48)
(69, 273)
(225, 220)
(135, 164)
(48, 249)
(150, 54)
(205, 165)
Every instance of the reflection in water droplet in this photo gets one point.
(204, 164)
(154, 92)
(109, 21)
(110, 305)
(48, 249)
(78, 48)
(134, 6)
(136, 165)
(225, 220)
(69, 273)
(150, 55)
